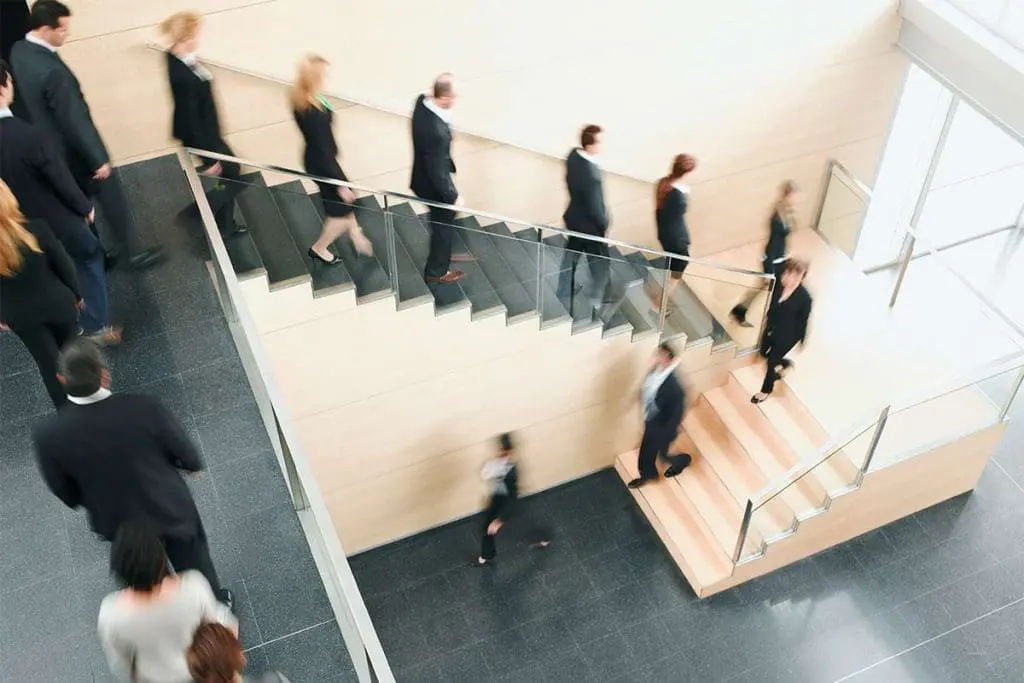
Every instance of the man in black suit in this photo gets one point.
(432, 169)
(585, 214)
(44, 188)
(119, 456)
(51, 98)
(13, 24)
(663, 401)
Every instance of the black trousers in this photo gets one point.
(44, 342)
(525, 528)
(774, 349)
(597, 259)
(768, 265)
(192, 552)
(223, 196)
(655, 444)
(439, 258)
(112, 212)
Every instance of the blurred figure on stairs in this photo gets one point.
(671, 199)
(13, 25)
(588, 215)
(502, 477)
(663, 401)
(314, 116)
(780, 225)
(786, 326)
(195, 122)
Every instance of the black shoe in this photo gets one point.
(679, 463)
(317, 257)
(227, 598)
(147, 258)
(236, 229)
(540, 545)
(110, 261)
(477, 564)
(739, 316)
(637, 483)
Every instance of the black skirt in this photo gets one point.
(333, 206)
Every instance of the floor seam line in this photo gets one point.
(289, 635)
(1009, 476)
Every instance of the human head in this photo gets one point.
(81, 368)
(13, 235)
(443, 93)
(49, 20)
(505, 445)
(6, 85)
(590, 139)
(309, 81)
(788, 194)
(215, 655)
(681, 165)
(137, 556)
(793, 272)
(664, 355)
(182, 29)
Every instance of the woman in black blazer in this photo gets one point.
(314, 116)
(671, 201)
(39, 294)
(786, 326)
(195, 122)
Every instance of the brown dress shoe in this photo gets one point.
(450, 276)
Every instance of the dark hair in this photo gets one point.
(505, 442)
(667, 350)
(795, 265)
(444, 85)
(589, 135)
(47, 13)
(5, 74)
(81, 365)
(137, 557)
(681, 165)
(215, 655)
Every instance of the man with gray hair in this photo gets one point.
(119, 457)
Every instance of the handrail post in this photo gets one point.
(540, 277)
(772, 283)
(389, 234)
(820, 208)
(1013, 394)
(748, 513)
(299, 499)
(883, 417)
(663, 306)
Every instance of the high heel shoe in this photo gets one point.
(317, 257)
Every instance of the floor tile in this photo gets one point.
(217, 386)
(248, 485)
(311, 656)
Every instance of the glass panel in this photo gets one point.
(843, 209)
(700, 307)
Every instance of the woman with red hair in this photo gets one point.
(672, 198)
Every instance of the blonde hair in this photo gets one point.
(307, 83)
(13, 233)
(181, 26)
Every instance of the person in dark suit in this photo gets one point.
(45, 190)
(779, 226)
(315, 118)
(585, 214)
(663, 401)
(39, 294)
(13, 24)
(432, 169)
(786, 326)
(51, 99)
(119, 456)
(195, 122)
(671, 200)
(502, 476)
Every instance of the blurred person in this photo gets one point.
(502, 476)
(216, 656)
(51, 98)
(39, 294)
(671, 200)
(195, 122)
(663, 401)
(315, 117)
(585, 214)
(119, 456)
(786, 325)
(147, 627)
(780, 225)
(45, 190)
(432, 170)
(13, 24)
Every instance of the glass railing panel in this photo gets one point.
(700, 305)
(842, 211)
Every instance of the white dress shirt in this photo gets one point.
(32, 38)
(5, 113)
(592, 159)
(442, 114)
(101, 394)
(650, 388)
(685, 189)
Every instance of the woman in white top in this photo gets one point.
(146, 628)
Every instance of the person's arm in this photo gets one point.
(586, 185)
(49, 165)
(120, 655)
(803, 318)
(210, 608)
(57, 257)
(57, 480)
(175, 443)
(439, 168)
(200, 136)
(325, 143)
(73, 119)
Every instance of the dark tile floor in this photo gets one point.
(935, 597)
(53, 571)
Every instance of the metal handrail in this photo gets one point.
(656, 253)
(296, 462)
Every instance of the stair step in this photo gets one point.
(687, 314)
(520, 252)
(680, 527)
(804, 495)
(798, 428)
(369, 273)
(410, 255)
(518, 300)
(277, 249)
(304, 223)
(737, 472)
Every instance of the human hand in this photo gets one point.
(494, 527)
(4, 328)
(214, 170)
(347, 195)
(102, 173)
(91, 216)
(80, 304)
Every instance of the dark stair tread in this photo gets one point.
(245, 257)
(370, 273)
(518, 300)
(412, 289)
(687, 313)
(520, 252)
(304, 222)
(280, 255)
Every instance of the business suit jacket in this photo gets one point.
(43, 186)
(673, 232)
(119, 459)
(670, 402)
(786, 325)
(44, 289)
(195, 122)
(320, 156)
(52, 98)
(586, 212)
(432, 164)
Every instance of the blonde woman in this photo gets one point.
(314, 116)
(779, 226)
(195, 122)
(39, 294)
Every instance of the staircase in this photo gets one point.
(513, 274)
